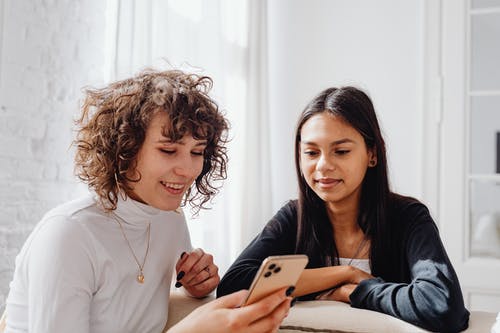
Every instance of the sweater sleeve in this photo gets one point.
(59, 274)
(433, 298)
(277, 238)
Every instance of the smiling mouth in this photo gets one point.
(327, 182)
(174, 188)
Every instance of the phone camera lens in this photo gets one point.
(277, 269)
(272, 266)
(267, 274)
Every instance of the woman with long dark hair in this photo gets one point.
(367, 246)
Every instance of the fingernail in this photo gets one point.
(178, 285)
(290, 290)
(182, 254)
(293, 302)
(180, 275)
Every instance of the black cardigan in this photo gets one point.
(421, 288)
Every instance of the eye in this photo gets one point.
(310, 153)
(168, 151)
(342, 152)
(198, 153)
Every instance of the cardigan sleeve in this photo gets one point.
(277, 238)
(433, 298)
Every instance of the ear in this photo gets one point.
(372, 157)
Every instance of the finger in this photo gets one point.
(230, 301)
(186, 266)
(200, 268)
(205, 274)
(335, 295)
(202, 276)
(342, 293)
(265, 306)
(203, 288)
(182, 258)
(271, 322)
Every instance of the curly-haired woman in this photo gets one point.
(104, 263)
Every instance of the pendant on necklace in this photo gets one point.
(140, 278)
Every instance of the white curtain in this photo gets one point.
(226, 40)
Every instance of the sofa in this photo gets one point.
(328, 317)
(331, 317)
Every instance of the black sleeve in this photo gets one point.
(277, 238)
(432, 299)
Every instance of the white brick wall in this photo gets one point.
(49, 50)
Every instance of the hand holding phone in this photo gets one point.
(274, 273)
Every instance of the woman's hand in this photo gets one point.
(342, 293)
(197, 273)
(224, 315)
(357, 275)
(318, 279)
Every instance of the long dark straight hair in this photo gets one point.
(314, 230)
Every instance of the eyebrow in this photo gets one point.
(333, 143)
(168, 141)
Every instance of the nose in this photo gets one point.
(325, 163)
(185, 167)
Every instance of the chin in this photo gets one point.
(328, 197)
(167, 206)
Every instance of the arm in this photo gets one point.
(277, 238)
(225, 315)
(59, 275)
(432, 299)
(317, 279)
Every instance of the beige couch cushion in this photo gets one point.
(330, 317)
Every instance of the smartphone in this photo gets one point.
(274, 273)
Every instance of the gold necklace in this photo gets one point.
(140, 277)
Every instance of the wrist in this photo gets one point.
(349, 274)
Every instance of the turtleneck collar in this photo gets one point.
(136, 213)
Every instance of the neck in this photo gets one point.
(344, 216)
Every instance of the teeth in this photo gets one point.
(172, 185)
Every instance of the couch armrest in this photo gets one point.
(332, 316)
(180, 305)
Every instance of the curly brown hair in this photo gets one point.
(114, 120)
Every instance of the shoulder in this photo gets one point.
(404, 206)
(73, 209)
(285, 218)
(288, 212)
(61, 227)
(407, 213)
(57, 238)
(289, 209)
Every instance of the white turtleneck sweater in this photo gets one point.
(76, 272)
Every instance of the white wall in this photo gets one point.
(49, 50)
(375, 45)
